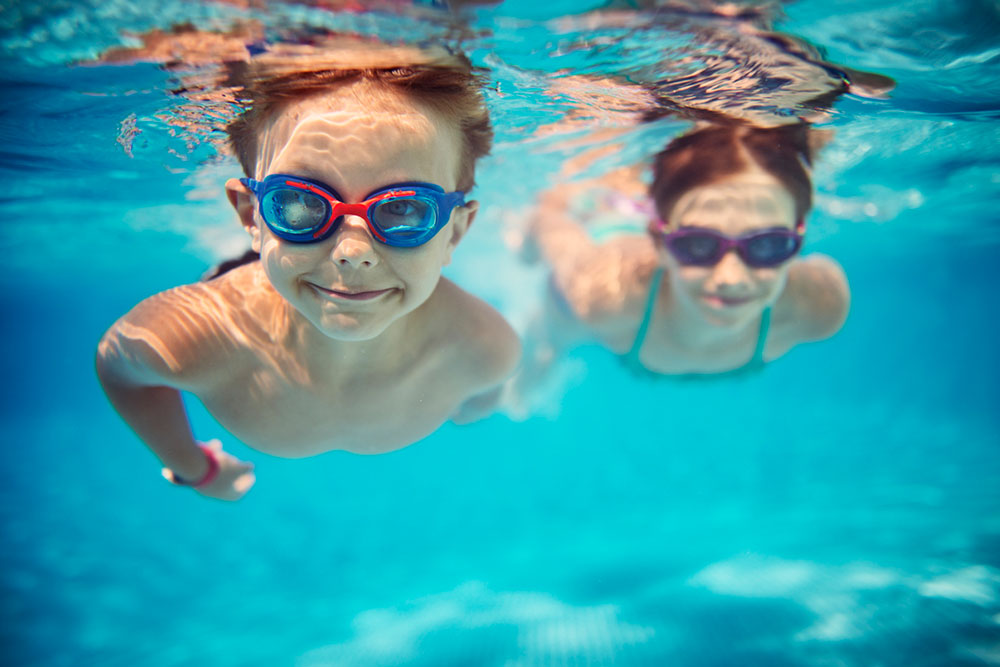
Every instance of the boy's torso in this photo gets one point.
(277, 395)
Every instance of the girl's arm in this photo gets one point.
(594, 279)
(562, 241)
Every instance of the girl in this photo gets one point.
(717, 285)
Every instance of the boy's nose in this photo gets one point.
(353, 244)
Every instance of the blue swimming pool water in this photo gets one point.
(842, 508)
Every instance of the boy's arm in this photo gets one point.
(156, 414)
(493, 351)
(142, 363)
(478, 407)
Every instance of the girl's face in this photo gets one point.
(730, 293)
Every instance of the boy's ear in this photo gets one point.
(242, 201)
(461, 220)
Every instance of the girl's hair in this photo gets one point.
(707, 156)
(441, 81)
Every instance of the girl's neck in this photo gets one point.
(688, 328)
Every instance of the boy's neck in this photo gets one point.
(389, 349)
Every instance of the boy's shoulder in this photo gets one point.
(193, 331)
(208, 303)
(477, 337)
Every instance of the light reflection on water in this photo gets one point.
(841, 510)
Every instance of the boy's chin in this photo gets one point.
(352, 329)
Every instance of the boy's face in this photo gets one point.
(350, 286)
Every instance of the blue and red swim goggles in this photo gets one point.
(301, 210)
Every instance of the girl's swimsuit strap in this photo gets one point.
(632, 356)
(765, 327)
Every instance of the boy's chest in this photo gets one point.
(274, 413)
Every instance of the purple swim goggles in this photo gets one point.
(301, 210)
(761, 248)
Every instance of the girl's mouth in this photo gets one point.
(721, 301)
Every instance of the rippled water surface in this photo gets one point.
(842, 508)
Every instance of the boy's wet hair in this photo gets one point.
(434, 78)
(707, 156)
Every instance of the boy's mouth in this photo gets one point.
(349, 294)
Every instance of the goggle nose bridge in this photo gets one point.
(339, 210)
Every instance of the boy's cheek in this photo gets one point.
(449, 248)
(269, 249)
(453, 241)
(286, 256)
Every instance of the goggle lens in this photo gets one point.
(697, 249)
(404, 217)
(294, 211)
(769, 249)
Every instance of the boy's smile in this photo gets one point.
(356, 140)
(359, 295)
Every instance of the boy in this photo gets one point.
(343, 335)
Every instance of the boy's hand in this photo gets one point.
(234, 478)
(478, 407)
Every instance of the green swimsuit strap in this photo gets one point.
(765, 326)
(633, 354)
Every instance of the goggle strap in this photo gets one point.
(251, 184)
(392, 194)
(310, 188)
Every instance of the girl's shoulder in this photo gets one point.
(815, 301)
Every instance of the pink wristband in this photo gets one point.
(206, 479)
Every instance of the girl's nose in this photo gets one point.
(353, 245)
(730, 272)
